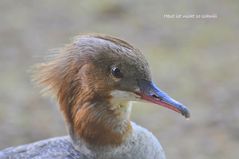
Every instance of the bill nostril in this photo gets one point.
(155, 96)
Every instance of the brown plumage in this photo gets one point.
(94, 79)
(70, 75)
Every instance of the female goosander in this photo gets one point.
(94, 79)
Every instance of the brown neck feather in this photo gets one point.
(88, 111)
(96, 122)
(100, 126)
(91, 116)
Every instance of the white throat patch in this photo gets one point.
(122, 100)
(124, 96)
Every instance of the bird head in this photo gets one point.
(118, 69)
(96, 75)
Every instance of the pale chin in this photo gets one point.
(124, 96)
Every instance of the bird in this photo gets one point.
(95, 80)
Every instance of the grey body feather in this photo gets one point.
(141, 144)
(58, 148)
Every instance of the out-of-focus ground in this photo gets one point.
(195, 60)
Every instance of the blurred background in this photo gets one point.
(196, 61)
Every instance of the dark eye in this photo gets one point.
(116, 72)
